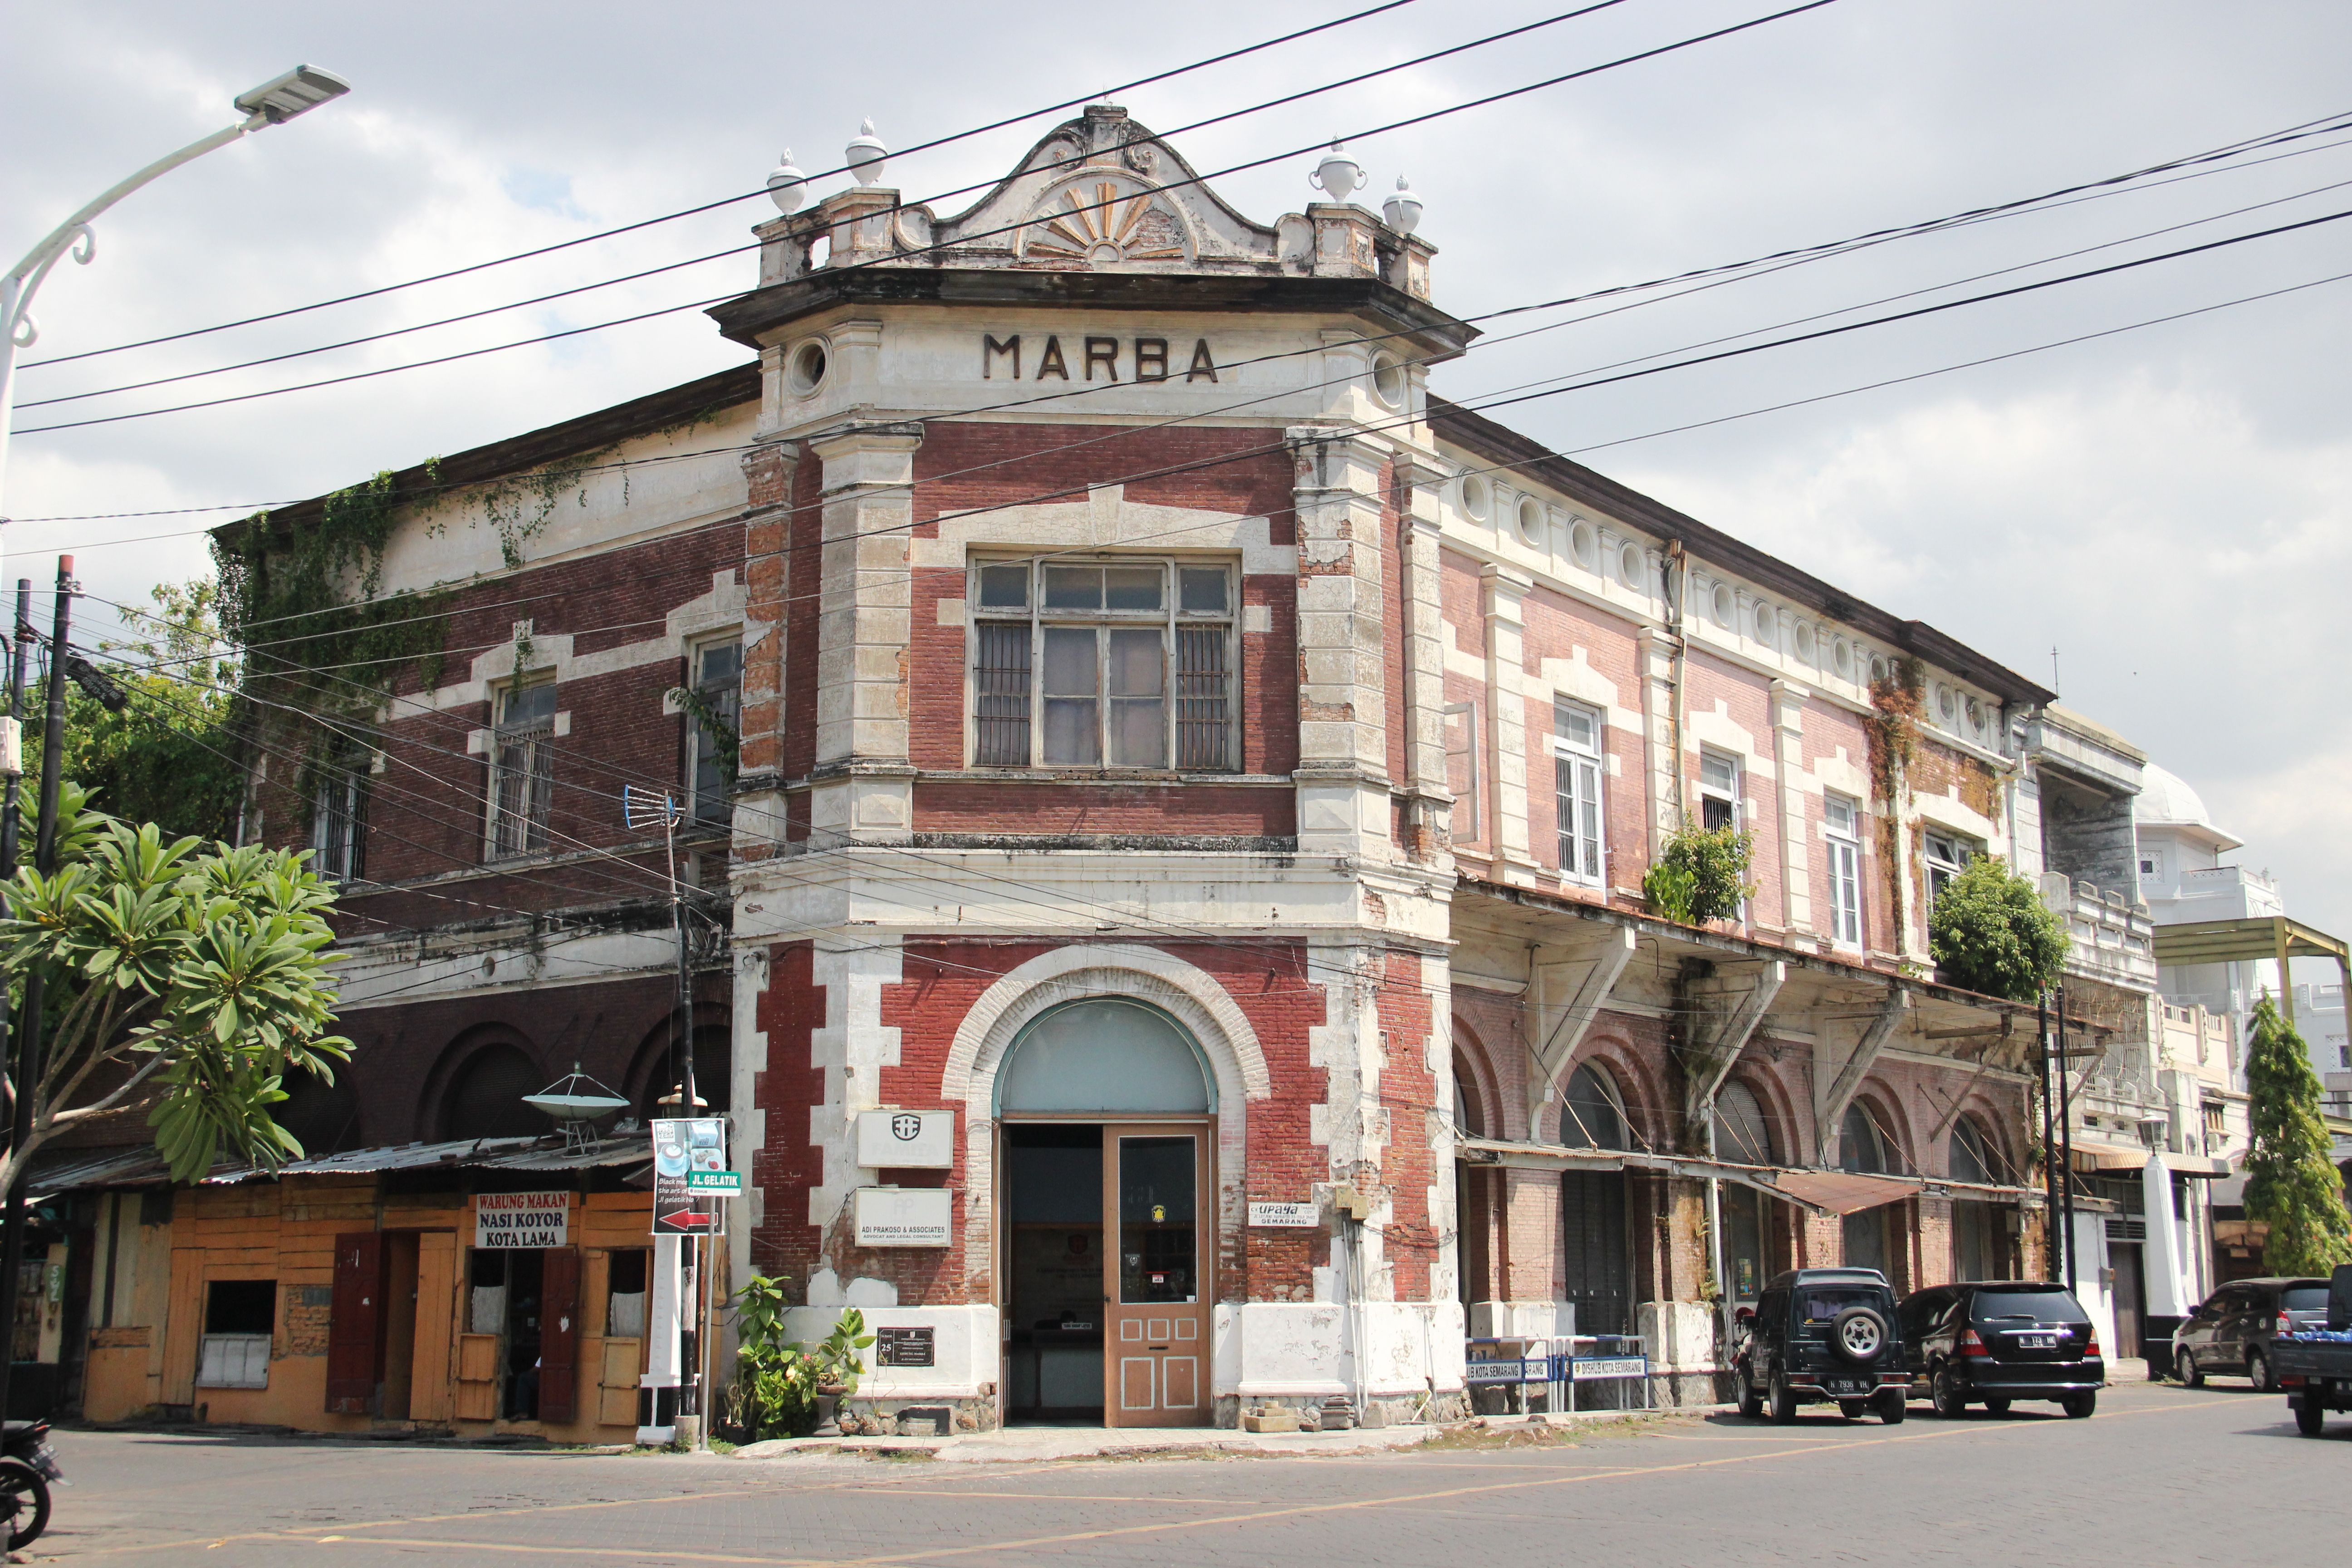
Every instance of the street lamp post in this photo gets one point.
(272, 103)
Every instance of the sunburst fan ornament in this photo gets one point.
(1100, 226)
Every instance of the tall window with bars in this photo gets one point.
(522, 770)
(1111, 663)
(1842, 824)
(339, 813)
(1719, 790)
(718, 670)
(1576, 769)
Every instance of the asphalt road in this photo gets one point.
(2161, 1474)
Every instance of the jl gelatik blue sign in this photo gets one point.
(683, 1147)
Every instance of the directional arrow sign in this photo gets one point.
(729, 1182)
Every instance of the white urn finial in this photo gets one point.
(1338, 176)
(787, 186)
(865, 156)
(1403, 209)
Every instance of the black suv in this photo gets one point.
(2232, 1333)
(1818, 1334)
(1998, 1340)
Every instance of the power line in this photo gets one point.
(900, 257)
(2100, 189)
(1076, 162)
(722, 202)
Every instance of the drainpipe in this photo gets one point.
(1677, 620)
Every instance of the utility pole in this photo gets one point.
(2067, 1138)
(28, 1027)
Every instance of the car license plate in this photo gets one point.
(1848, 1385)
(2037, 1342)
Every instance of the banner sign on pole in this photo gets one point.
(721, 1184)
(684, 1148)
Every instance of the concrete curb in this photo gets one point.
(1032, 1444)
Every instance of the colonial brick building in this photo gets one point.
(1189, 789)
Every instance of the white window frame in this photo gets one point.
(1943, 866)
(695, 740)
(1707, 792)
(537, 745)
(1844, 858)
(1579, 772)
(1171, 620)
(341, 798)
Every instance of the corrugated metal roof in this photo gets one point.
(145, 1167)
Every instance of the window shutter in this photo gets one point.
(355, 1325)
(559, 1335)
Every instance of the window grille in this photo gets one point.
(1719, 791)
(1113, 663)
(522, 770)
(1946, 857)
(339, 815)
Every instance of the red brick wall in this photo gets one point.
(787, 1164)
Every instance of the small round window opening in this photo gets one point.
(808, 367)
(1722, 601)
(1633, 568)
(1531, 521)
(1583, 544)
(1388, 380)
(1475, 499)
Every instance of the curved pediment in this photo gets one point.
(1103, 192)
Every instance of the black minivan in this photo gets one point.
(1993, 1341)
(1820, 1334)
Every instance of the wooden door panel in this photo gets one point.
(1157, 1216)
(616, 1387)
(478, 1377)
(558, 1342)
(355, 1324)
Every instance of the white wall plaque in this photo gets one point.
(906, 1140)
(1294, 1215)
(905, 1216)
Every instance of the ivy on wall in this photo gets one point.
(1896, 702)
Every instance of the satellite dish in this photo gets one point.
(577, 1102)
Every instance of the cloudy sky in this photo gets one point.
(2170, 508)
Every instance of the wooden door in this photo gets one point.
(355, 1324)
(1156, 1182)
(431, 1385)
(559, 1334)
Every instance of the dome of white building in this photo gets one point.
(2166, 801)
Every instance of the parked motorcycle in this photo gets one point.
(28, 1468)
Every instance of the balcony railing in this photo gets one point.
(2113, 940)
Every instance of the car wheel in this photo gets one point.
(1784, 1401)
(2079, 1406)
(1951, 1403)
(2309, 1418)
(1852, 1409)
(1751, 1402)
(1894, 1404)
(2258, 1372)
(2185, 1368)
(1996, 1406)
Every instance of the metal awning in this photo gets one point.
(2095, 1157)
(1824, 1193)
(2252, 940)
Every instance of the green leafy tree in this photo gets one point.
(188, 978)
(2292, 1184)
(165, 756)
(1701, 876)
(1990, 932)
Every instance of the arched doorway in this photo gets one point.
(1472, 1256)
(1104, 1110)
(1595, 1257)
(1751, 1219)
(1979, 1252)
(1862, 1150)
